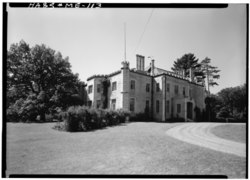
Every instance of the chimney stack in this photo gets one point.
(125, 65)
(183, 73)
(152, 67)
(191, 75)
(140, 62)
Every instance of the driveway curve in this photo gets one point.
(200, 134)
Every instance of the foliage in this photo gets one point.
(234, 102)
(186, 62)
(201, 69)
(105, 83)
(40, 77)
(211, 72)
(228, 105)
(140, 117)
(175, 119)
(81, 118)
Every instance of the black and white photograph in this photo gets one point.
(125, 90)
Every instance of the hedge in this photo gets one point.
(82, 118)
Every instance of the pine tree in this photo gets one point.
(211, 73)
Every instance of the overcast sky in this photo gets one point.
(94, 38)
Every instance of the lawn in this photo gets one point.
(133, 148)
(236, 132)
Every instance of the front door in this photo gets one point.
(189, 110)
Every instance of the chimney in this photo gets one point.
(191, 75)
(183, 73)
(140, 62)
(152, 67)
(125, 65)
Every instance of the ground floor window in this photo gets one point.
(167, 106)
(89, 103)
(132, 105)
(157, 106)
(113, 102)
(147, 106)
(178, 108)
(98, 103)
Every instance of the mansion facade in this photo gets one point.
(160, 93)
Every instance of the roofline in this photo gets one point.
(178, 77)
(140, 73)
(104, 76)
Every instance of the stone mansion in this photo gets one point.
(160, 93)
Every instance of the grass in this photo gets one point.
(134, 148)
(235, 132)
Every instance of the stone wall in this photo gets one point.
(116, 94)
(140, 94)
(197, 97)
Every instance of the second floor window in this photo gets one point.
(176, 89)
(113, 86)
(98, 88)
(184, 91)
(132, 85)
(147, 87)
(90, 89)
(157, 87)
(168, 87)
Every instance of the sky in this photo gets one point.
(93, 39)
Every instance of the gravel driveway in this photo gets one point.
(200, 134)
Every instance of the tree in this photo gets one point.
(234, 102)
(35, 75)
(210, 72)
(186, 62)
(213, 105)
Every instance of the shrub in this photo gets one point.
(140, 117)
(123, 115)
(72, 118)
(81, 118)
(176, 119)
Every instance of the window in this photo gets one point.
(113, 86)
(132, 105)
(147, 106)
(113, 102)
(98, 103)
(157, 106)
(176, 89)
(190, 93)
(157, 87)
(167, 106)
(184, 91)
(90, 89)
(98, 88)
(147, 87)
(89, 103)
(132, 85)
(168, 87)
(178, 108)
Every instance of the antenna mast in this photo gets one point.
(125, 58)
